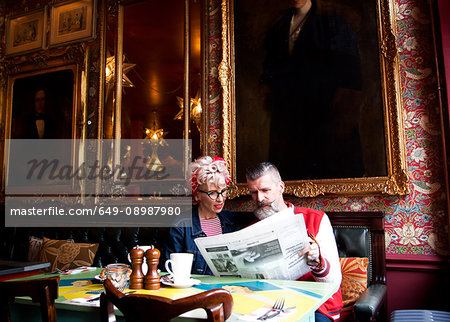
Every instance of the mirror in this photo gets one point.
(323, 106)
(145, 42)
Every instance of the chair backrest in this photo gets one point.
(217, 303)
(44, 291)
(361, 234)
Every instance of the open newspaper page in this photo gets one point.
(267, 249)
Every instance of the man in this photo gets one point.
(39, 125)
(312, 77)
(266, 188)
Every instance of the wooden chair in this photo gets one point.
(44, 291)
(218, 304)
(361, 234)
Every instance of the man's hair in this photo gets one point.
(255, 172)
(39, 89)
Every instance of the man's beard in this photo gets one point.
(262, 211)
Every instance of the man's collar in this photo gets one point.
(289, 205)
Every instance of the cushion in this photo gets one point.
(34, 249)
(64, 255)
(354, 278)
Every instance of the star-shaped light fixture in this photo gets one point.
(195, 109)
(111, 71)
(154, 134)
(155, 138)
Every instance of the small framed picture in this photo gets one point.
(72, 21)
(25, 33)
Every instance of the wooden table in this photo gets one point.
(14, 269)
(250, 297)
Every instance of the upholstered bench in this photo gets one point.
(114, 244)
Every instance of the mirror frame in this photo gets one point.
(396, 182)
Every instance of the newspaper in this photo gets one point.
(267, 249)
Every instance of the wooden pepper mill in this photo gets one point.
(151, 280)
(137, 277)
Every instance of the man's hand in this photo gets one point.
(312, 252)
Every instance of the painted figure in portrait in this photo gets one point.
(312, 70)
(72, 21)
(310, 88)
(25, 33)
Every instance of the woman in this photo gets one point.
(209, 180)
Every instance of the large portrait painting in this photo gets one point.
(313, 89)
(42, 105)
(41, 112)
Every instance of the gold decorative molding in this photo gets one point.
(113, 7)
(42, 60)
(225, 77)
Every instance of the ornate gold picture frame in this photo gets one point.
(26, 32)
(388, 176)
(61, 76)
(72, 21)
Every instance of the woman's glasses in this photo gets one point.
(213, 195)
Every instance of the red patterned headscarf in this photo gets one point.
(209, 170)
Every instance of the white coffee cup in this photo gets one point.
(181, 267)
(144, 262)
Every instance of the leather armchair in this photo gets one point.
(358, 234)
(361, 234)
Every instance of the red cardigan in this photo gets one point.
(332, 307)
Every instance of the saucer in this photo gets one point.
(98, 278)
(102, 279)
(189, 283)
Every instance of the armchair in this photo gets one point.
(358, 234)
(361, 234)
(44, 291)
(217, 303)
